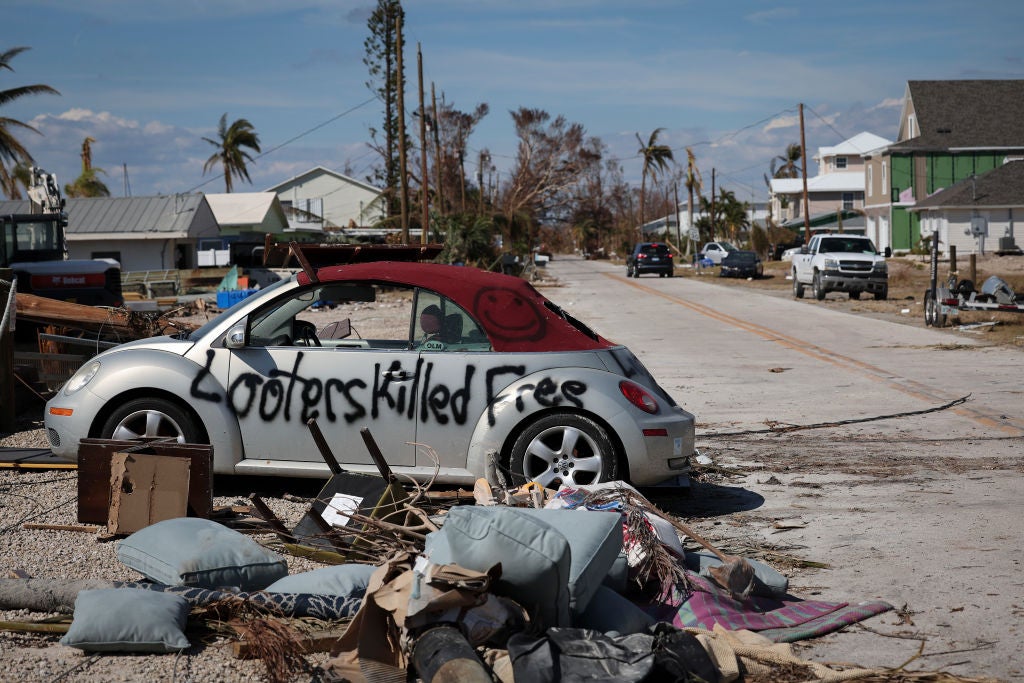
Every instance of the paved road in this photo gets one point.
(925, 511)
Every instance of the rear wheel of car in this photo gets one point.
(854, 295)
(817, 288)
(566, 448)
(151, 417)
(798, 288)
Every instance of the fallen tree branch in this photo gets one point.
(777, 429)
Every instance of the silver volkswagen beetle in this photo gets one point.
(480, 367)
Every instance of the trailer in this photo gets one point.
(944, 301)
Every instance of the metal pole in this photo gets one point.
(424, 186)
(803, 172)
(402, 175)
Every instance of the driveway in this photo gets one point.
(923, 509)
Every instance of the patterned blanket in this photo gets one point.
(782, 621)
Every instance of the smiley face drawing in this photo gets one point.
(508, 315)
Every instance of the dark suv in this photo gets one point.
(649, 257)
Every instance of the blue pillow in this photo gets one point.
(190, 551)
(595, 541)
(342, 580)
(534, 557)
(128, 620)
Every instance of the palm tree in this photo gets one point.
(694, 183)
(87, 184)
(13, 152)
(229, 143)
(787, 165)
(656, 158)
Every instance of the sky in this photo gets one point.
(149, 79)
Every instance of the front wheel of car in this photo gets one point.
(798, 288)
(882, 295)
(854, 296)
(152, 418)
(564, 448)
(817, 287)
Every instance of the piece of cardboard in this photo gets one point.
(146, 489)
(94, 457)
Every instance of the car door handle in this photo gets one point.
(398, 375)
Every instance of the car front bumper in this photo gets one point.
(842, 282)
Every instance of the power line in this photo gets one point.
(293, 139)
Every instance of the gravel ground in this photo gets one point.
(49, 497)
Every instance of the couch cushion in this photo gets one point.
(342, 580)
(595, 541)
(189, 551)
(535, 557)
(128, 620)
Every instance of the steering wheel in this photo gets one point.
(306, 331)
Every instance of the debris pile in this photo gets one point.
(505, 582)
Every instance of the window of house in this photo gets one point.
(847, 200)
(870, 177)
(310, 210)
(885, 180)
(840, 162)
(911, 126)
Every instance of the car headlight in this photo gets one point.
(881, 267)
(82, 377)
(831, 264)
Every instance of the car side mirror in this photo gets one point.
(804, 250)
(888, 252)
(235, 338)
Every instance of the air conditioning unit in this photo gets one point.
(1007, 244)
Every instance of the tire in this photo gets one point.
(932, 315)
(152, 417)
(883, 295)
(816, 287)
(798, 288)
(539, 454)
(854, 296)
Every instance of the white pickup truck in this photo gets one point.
(841, 263)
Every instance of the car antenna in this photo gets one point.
(296, 251)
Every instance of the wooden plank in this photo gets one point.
(322, 641)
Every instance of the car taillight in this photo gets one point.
(641, 256)
(668, 255)
(638, 396)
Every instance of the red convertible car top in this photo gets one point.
(514, 315)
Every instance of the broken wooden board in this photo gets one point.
(94, 459)
(146, 489)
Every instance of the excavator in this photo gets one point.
(34, 246)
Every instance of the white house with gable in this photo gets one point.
(330, 200)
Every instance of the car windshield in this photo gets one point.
(654, 249)
(742, 256)
(844, 244)
(200, 332)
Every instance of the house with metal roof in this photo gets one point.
(949, 131)
(142, 233)
(979, 214)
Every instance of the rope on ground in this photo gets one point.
(776, 428)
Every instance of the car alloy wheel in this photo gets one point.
(566, 448)
(817, 288)
(151, 418)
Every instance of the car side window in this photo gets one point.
(442, 325)
(337, 315)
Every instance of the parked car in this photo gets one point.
(649, 257)
(503, 381)
(742, 264)
(716, 251)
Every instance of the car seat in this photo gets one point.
(451, 329)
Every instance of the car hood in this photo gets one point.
(164, 343)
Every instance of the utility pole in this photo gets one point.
(424, 186)
(402, 174)
(712, 217)
(803, 172)
(437, 150)
(679, 230)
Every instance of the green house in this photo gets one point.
(949, 131)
